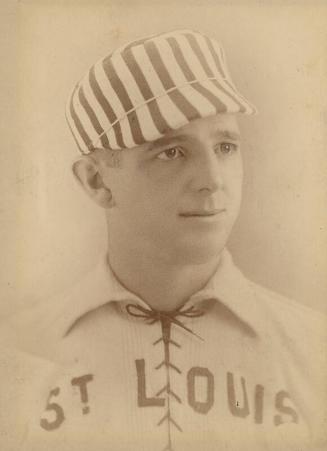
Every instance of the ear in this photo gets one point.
(86, 171)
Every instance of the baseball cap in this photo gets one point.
(151, 86)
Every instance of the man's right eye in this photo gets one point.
(170, 154)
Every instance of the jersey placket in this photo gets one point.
(168, 393)
(168, 390)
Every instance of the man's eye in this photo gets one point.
(227, 148)
(170, 154)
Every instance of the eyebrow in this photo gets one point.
(166, 140)
(227, 134)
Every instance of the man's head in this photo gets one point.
(181, 193)
(156, 120)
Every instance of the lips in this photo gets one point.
(202, 213)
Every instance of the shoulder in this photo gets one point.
(286, 315)
(38, 328)
(295, 333)
(271, 313)
(41, 327)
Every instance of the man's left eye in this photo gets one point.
(227, 148)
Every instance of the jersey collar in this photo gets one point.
(56, 318)
(227, 287)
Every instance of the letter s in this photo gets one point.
(283, 409)
(57, 409)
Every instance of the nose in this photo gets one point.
(207, 176)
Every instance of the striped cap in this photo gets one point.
(151, 86)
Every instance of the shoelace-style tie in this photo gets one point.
(152, 316)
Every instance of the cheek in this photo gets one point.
(139, 197)
(123, 188)
(129, 195)
(234, 178)
(158, 187)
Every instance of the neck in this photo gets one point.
(163, 284)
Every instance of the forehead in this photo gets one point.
(212, 127)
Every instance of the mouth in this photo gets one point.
(202, 213)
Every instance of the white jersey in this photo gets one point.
(236, 368)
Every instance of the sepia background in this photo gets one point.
(51, 234)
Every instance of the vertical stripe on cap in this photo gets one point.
(138, 42)
(225, 82)
(187, 54)
(233, 96)
(183, 104)
(208, 63)
(167, 107)
(202, 44)
(180, 79)
(93, 118)
(84, 118)
(77, 138)
(115, 104)
(215, 57)
(147, 124)
(248, 108)
(219, 105)
(100, 114)
(180, 58)
(123, 96)
(228, 102)
(220, 51)
(107, 108)
(77, 122)
(221, 82)
(132, 44)
(197, 50)
(146, 91)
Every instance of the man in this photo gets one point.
(166, 346)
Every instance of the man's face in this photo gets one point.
(181, 194)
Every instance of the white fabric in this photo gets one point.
(251, 377)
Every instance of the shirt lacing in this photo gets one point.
(167, 318)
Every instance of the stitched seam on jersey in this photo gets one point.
(166, 331)
(166, 320)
